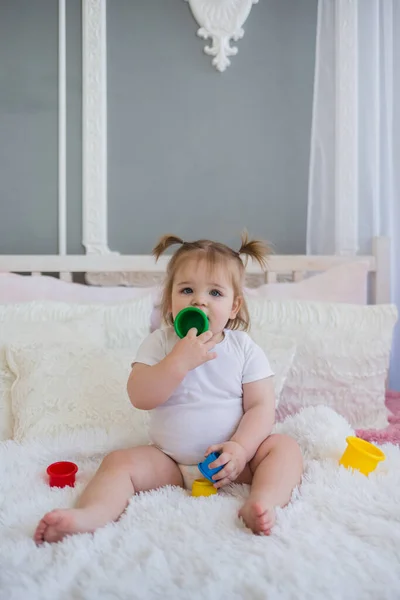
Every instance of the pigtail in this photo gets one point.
(256, 249)
(165, 242)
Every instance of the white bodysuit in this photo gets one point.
(206, 408)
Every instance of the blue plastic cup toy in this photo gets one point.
(190, 317)
(205, 469)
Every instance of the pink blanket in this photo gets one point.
(391, 434)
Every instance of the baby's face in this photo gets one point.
(212, 292)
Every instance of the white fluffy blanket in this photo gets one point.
(338, 539)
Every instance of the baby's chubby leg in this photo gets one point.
(276, 469)
(121, 474)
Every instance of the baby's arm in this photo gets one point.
(254, 427)
(148, 387)
(151, 386)
(259, 415)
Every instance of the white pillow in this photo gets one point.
(342, 356)
(89, 328)
(128, 323)
(65, 387)
(117, 326)
(280, 351)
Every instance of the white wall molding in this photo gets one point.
(94, 118)
(62, 131)
(221, 21)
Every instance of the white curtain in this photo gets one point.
(354, 183)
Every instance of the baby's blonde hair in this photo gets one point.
(214, 253)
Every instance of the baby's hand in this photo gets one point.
(192, 351)
(233, 456)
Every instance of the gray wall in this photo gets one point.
(28, 126)
(190, 150)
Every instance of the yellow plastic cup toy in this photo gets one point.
(203, 487)
(361, 455)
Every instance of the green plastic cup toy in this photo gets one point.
(190, 317)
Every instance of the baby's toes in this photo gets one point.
(262, 521)
(267, 521)
(39, 533)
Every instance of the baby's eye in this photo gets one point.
(215, 293)
(187, 290)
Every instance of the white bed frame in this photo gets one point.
(143, 270)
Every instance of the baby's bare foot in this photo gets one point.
(258, 517)
(56, 524)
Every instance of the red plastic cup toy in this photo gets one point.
(62, 474)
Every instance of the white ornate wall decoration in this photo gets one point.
(94, 117)
(94, 134)
(221, 20)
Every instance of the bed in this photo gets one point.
(330, 347)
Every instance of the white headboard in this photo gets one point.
(115, 269)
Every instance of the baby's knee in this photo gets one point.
(287, 440)
(285, 443)
(291, 447)
(116, 459)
